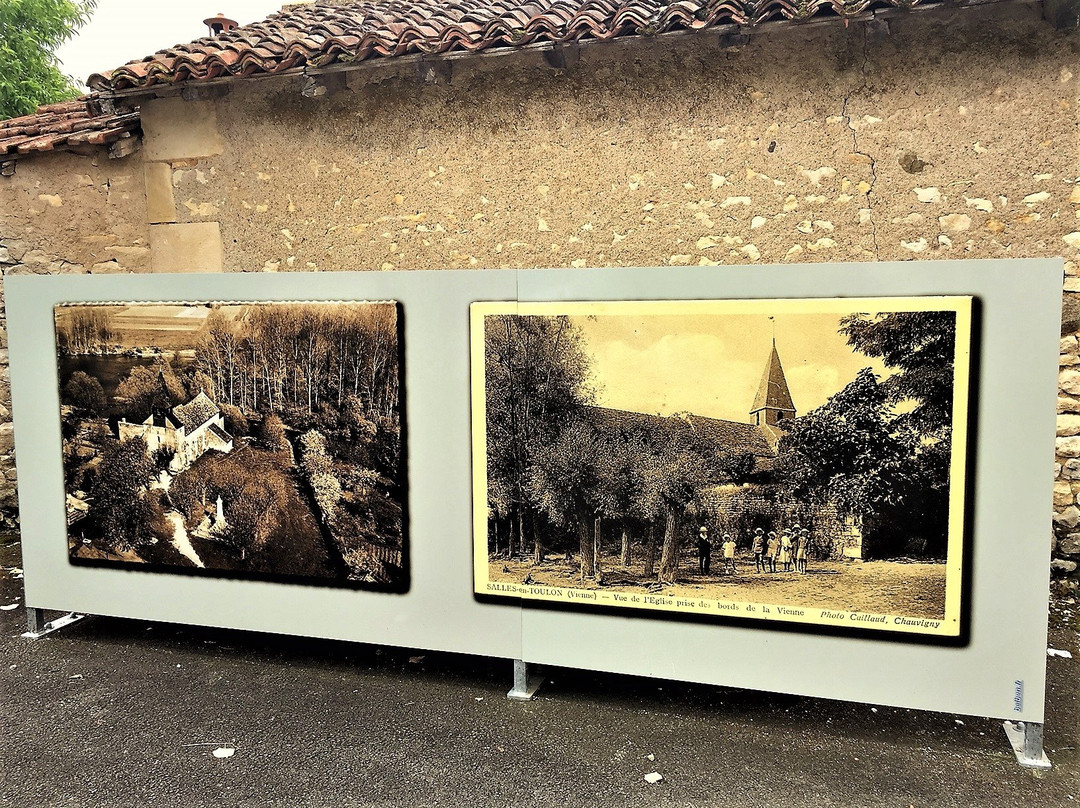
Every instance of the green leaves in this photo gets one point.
(30, 33)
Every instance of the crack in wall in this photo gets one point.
(864, 70)
(873, 174)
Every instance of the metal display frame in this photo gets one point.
(998, 671)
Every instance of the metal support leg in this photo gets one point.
(35, 620)
(1026, 738)
(525, 686)
(37, 627)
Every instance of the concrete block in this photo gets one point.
(160, 205)
(174, 129)
(194, 247)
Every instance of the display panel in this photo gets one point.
(997, 669)
(259, 440)
(801, 461)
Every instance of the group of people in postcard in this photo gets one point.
(776, 552)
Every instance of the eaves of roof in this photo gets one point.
(327, 34)
(77, 125)
(333, 35)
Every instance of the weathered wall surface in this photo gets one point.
(65, 213)
(70, 213)
(954, 136)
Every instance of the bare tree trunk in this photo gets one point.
(538, 548)
(669, 558)
(521, 532)
(624, 557)
(597, 548)
(649, 562)
(510, 536)
(585, 544)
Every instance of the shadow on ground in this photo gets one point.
(112, 713)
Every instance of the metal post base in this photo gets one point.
(1027, 743)
(37, 627)
(525, 686)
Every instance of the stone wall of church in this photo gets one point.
(1066, 539)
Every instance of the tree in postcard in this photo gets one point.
(125, 508)
(565, 482)
(880, 451)
(536, 378)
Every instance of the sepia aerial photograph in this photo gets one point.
(792, 460)
(258, 440)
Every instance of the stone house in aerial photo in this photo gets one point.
(341, 135)
(189, 431)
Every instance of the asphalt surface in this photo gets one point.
(112, 713)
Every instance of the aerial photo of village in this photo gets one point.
(247, 440)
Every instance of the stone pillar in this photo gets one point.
(178, 132)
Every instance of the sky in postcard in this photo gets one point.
(712, 365)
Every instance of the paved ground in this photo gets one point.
(113, 713)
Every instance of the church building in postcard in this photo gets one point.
(189, 430)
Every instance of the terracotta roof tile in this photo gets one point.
(56, 127)
(331, 31)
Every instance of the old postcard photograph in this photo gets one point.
(250, 440)
(786, 460)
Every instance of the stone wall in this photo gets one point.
(65, 213)
(1066, 540)
(951, 135)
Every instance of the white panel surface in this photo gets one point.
(1011, 479)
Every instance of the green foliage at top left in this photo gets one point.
(30, 33)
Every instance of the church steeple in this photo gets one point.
(773, 404)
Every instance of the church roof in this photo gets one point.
(726, 436)
(773, 392)
(220, 433)
(196, 412)
(159, 420)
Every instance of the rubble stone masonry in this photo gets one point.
(945, 134)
